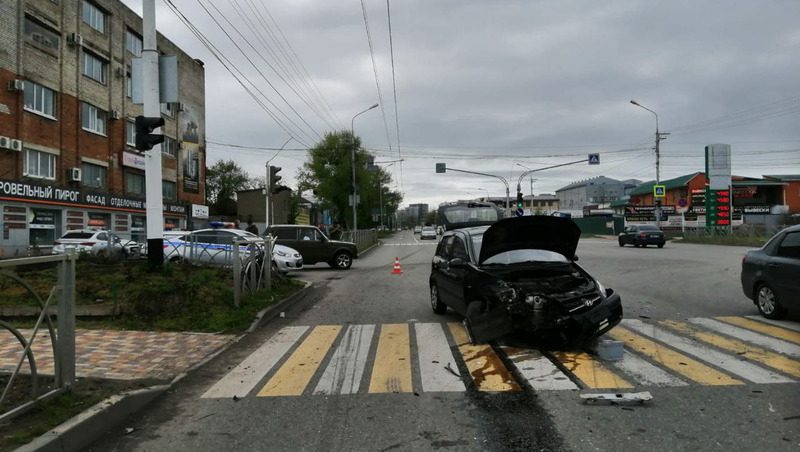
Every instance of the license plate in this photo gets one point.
(653, 236)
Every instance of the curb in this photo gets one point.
(83, 429)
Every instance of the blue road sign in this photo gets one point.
(594, 159)
(519, 212)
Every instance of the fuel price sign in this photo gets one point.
(718, 207)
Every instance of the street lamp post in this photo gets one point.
(529, 176)
(659, 136)
(353, 164)
(483, 189)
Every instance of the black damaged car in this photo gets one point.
(520, 275)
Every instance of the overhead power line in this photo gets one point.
(375, 70)
(394, 91)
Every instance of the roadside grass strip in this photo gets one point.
(344, 372)
(485, 367)
(771, 359)
(295, 374)
(435, 358)
(244, 377)
(590, 371)
(788, 324)
(774, 331)
(776, 345)
(391, 372)
(732, 364)
(677, 362)
(538, 370)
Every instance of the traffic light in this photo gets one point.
(145, 138)
(519, 200)
(274, 178)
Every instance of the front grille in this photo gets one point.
(580, 304)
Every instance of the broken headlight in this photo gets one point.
(505, 293)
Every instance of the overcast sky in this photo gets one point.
(486, 85)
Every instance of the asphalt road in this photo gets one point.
(678, 282)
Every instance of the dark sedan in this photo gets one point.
(520, 276)
(642, 235)
(771, 274)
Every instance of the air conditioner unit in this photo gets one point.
(74, 174)
(115, 114)
(5, 142)
(179, 106)
(16, 145)
(16, 85)
(120, 72)
(75, 39)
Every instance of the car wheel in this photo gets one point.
(342, 260)
(621, 243)
(436, 303)
(661, 245)
(767, 302)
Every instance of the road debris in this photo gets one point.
(619, 398)
(450, 369)
(129, 430)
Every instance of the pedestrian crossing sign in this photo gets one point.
(659, 191)
(594, 159)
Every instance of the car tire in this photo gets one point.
(621, 243)
(342, 260)
(436, 302)
(767, 302)
(661, 245)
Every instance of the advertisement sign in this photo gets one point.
(133, 160)
(718, 166)
(199, 211)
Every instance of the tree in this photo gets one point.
(328, 173)
(223, 180)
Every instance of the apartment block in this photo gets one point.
(67, 157)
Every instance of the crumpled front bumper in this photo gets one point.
(600, 318)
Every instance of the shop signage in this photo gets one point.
(199, 211)
(13, 190)
(133, 160)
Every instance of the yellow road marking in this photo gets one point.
(682, 364)
(486, 368)
(774, 360)
(293, 377)
(590, 371)
(754, 325)
(392, 369)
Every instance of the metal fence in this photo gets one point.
(363, 238)
(62, 339)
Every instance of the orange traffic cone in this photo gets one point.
(397, 270)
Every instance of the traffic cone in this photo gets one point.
(397, 270)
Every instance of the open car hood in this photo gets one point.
(555, 234)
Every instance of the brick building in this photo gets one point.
(66, 125)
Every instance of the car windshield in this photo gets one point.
(78, 235)
(526, 255)
(428, 229)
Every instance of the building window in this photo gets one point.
(93, 119)
(94, 67)
(39, 164)
(94, 16)
(39, 99)
(130, 133)
(169, 190)
(170, 147)
(40, 35)
(134, 183)
(167, 109)
(93, 175)
(133, 43)
(128, 85)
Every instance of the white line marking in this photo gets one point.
(244, 377)
(724, 361)
(787, 348)
(789, 325)
(646, 373)
(434, 357)
(343, 374)
(540, 372)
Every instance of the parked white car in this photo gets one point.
(98, 242)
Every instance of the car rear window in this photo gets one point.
(646, 227)
(78, 235)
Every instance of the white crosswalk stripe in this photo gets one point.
(244, 377)
(744, 369)
(435, 358)
(645, 373)
(344, 372)
(539, 371)
(777, 345)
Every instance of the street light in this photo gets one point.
(531, 177)
(659, 136)
(380, 187)
(353, 164)
(483, 189)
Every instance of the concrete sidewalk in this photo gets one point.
(120, 355)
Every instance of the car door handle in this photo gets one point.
(773, 264)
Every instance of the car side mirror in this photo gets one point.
(575, 258)
(457, 262)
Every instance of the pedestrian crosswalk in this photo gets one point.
(417, 357)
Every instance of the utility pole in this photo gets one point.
(153, 189)
(659, 137)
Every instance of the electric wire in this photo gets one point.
(375, 70)
(394, 92)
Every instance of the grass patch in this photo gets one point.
(179, 297)
(732, 240)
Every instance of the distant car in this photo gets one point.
(315, 246)
(97, 242)
(520, 275)
(642, 235)
(417, 229)
(771, 274)
(428, 232)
